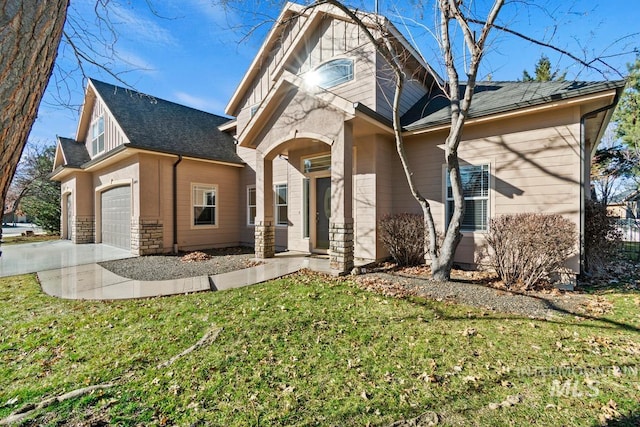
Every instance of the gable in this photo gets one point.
(136, 120)
(96, 113)
(304, 39)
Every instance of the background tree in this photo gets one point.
(38, 196)
(30, 33)
(543, 72)
(627, 115)
(614, 167)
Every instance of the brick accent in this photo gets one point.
(341, 247)
(265, 235)
(83, 229)
(146, 236)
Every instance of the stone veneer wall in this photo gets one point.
(341, 247)
(83, 229)
(265, 234)
(146, 236)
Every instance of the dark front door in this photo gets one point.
(323, 212)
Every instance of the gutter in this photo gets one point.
(175, 204)
(583, 147)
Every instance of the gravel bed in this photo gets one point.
(165, 267)
(533, 304)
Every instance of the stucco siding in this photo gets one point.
(386, 162)
(364, 200)
(226, 180)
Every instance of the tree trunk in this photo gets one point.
(30, 33)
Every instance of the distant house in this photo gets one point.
(309, 162)
(625, 205)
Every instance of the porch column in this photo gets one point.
(341, 221)
(264, 228)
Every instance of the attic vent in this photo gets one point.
(331, 73)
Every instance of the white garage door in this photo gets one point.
(116, 217)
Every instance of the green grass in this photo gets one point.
(631, 250)
(307, 350)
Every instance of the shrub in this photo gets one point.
(403, 236)
(602, 239)
(529, 247)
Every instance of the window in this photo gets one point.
(97, 135)
(254, 110)
(475, 188)
(251, 205)
(204, 204)
(281, 204)
(317, 164)
(332, 73)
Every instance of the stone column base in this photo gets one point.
(265, 236)
(146, 236)
(83, 229)
(341, 247)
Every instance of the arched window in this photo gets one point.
(332, 73)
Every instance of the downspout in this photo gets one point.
(175, 204)
(583, 118)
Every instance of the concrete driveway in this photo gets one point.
(54, 254)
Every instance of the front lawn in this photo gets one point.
(311, 350)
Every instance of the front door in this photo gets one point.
(323, 212)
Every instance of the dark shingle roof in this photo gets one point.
(499, 97)
(75, 153)
(154, 124)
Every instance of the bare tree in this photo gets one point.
(460, 96)
(30, 33)
(454, 18)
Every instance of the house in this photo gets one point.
(625, 205)
(309, 163)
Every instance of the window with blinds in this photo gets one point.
(475, 188)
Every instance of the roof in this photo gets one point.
(155, 124)
(499, 97)
(75, 154)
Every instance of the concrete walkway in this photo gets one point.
(93, 282)
(54, 254)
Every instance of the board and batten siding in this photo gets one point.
(113, 136)
(330, 38)
(412, 91)
(534, 167)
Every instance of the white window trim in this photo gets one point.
(93, 138)
(276, 205)
(249, 219)
(322, 64)
(214, 187)
(489, 197)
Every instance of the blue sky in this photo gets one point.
(193, 51)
